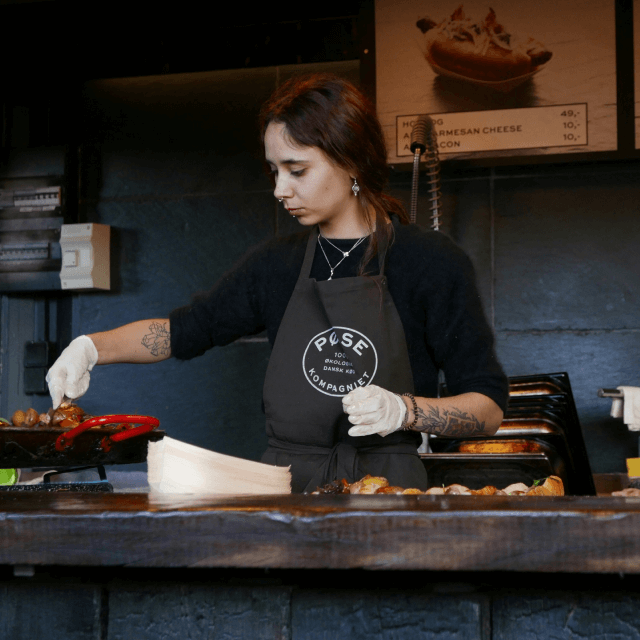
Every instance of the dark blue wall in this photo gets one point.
(173, 164)
(317, 605)
(555, 248)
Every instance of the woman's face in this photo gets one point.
(311, 186)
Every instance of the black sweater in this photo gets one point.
(430, 279)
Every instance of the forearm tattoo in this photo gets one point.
(448, 423)
(158, 341)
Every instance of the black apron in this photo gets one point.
(336, 335)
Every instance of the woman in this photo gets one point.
(361, 309)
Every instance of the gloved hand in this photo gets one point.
(69, 375)
(374, 410)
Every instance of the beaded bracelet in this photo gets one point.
(408, 427)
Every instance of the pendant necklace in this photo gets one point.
(345, 254)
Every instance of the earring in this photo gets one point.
(355, 188)
(280, 199)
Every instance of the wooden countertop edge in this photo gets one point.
(443, 533)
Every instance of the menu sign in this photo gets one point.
(518, 78)
(501, 129)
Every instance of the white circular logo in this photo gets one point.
(339, 360)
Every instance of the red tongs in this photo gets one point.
(147, 423)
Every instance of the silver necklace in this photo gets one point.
(345, 254)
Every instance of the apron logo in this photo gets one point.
(339, 360)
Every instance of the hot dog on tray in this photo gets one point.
(480, 50)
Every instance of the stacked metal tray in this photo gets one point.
(539, 436)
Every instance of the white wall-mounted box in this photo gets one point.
(85, 256)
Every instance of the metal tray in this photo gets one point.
(491, 469)
(542, 410)
(538, 385)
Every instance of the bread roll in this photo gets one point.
(485, 491)
(552, 486)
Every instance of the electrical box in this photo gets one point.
(30, 221)
(85, 256)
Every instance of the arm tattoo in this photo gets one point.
(158, 341)
(447, 423)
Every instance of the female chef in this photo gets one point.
(361, 308)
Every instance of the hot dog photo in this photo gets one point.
(481, 50)
(499, 78)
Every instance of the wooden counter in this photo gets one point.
(443, 533)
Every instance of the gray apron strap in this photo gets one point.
(336, 335)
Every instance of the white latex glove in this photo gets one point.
(374, 410)
(69, 375)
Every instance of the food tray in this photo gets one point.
(541, 410)
(105, 444)
(495, 469)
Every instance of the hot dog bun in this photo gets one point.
(462, 57)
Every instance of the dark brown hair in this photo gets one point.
(328, 112)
